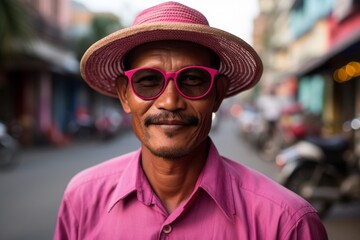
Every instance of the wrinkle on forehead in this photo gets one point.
(162, 51)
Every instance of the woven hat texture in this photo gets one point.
(102, 63)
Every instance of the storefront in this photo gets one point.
(330, 85)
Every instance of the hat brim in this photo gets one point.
(102, 62)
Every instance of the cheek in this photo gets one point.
(204, 126)
(139, 108)
(205, 108)
(137, 124)
(206, 121)
(205, 117)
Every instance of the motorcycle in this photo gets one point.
(8, 149)
(289, 129)
(323, 171)
(108, 124)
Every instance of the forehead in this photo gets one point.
(180, 49)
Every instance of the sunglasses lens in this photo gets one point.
(147, 83)
(194, 82)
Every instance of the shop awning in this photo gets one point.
(335, 57)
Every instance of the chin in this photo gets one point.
(169, 152)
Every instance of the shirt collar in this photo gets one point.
(214, 180)
(128, 181)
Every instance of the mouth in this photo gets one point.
(171, 126)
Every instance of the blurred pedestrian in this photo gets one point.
(270, 107)
(171, 71)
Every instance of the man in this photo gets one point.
(171, 71)
(270, 106)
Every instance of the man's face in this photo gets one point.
(170, 126)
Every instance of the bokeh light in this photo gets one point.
(347, 72)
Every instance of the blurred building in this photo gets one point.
(311, 51)
(42, 96)
(79, 20)
(37, 76)
(85, 28)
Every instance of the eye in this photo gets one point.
(194, 77)
(148, 81)
(147, 78)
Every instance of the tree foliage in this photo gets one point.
(14, 25)
(101, 26)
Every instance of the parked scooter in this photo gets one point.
(323, 171)
(8, 149)
(108, 124)
(289, 129)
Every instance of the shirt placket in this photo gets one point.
(165, 232)
(169, 225)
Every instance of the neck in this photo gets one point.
(173, 180)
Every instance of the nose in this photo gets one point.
(170, 99)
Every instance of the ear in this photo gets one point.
(221, 87)
(121, 89)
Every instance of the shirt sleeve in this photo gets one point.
(309, 227)
(67, 223)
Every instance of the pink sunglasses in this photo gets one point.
(192, 82)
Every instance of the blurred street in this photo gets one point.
(309, 87)
(31, 193)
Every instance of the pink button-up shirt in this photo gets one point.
(114, 200)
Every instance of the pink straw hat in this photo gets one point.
(102, 63)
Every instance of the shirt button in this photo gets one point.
(167, 229)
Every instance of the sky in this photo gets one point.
(234, 16)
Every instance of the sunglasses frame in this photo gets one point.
(171, 75)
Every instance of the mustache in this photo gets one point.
(188, 119)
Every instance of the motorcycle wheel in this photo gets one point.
(301, 178)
